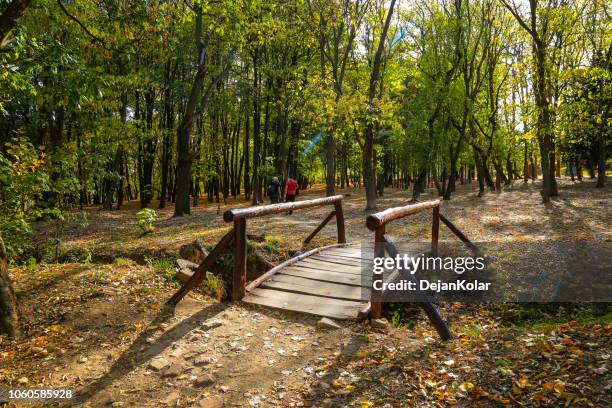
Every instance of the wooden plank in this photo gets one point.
(338, 260)
(280, 266)
(348, 258)
(369, 254)
(316, 288)
(328, 266)
(334, 308)
(311, 268)
(324, 276)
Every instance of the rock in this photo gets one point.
(212, 324)
(159, 363)
(82, 359)
(379, 323)
(178, 352)
(117, 404)
(327, 323)
(193, 252)
(203, 360)
(327, 403)
(173, 371)
(211, 402)
(173, 396)
(204, 380)
(184, 263)
(108, 399)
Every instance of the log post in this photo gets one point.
(379, 252)
(340, 222)
(435, 230)
(240, 259)
(320, 227)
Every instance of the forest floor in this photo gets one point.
(94, 321)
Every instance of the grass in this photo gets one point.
(215, 285)
(100, 276)
(124, 261)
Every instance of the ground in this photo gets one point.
(94, 321)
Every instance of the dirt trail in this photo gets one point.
(101, 328)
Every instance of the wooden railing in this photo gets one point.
(383, 243)
(238, 237)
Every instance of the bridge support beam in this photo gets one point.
(240, 259)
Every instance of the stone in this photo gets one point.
(82, 359)
(327, 403)
(203, 360)
(173, 371)
(171, 398)
(193, 252)
(327, 323)
(204, 380)
(212, 324)
(379, 323)
(211, 402)
(159, 363)
(184, 263)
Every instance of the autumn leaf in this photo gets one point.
(559, 387)
(467, 387)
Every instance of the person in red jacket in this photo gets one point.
(291, 187)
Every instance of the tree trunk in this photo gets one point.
(601, 162)
(8, 302)
(8, 19)
(368, 167)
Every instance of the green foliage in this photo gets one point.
(272, 242)
(100, 276)
(145, 219)
(165, 267)
(215, 285)
(124, 261)
(22, 176)
(396, 318)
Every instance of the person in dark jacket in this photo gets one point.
(274, 190)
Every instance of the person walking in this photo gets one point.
(291, 189)
(274, 190)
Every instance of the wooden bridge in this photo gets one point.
(333, 281)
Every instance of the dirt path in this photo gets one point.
(100, 327)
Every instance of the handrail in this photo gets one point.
(259, 211)
(239, 217)
(383, 217)
(382, 243)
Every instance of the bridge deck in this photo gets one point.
(327, 282)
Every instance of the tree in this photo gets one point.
(9, 18)
(368, 152)
(196, 104)
(537, 27)
(8, 302)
